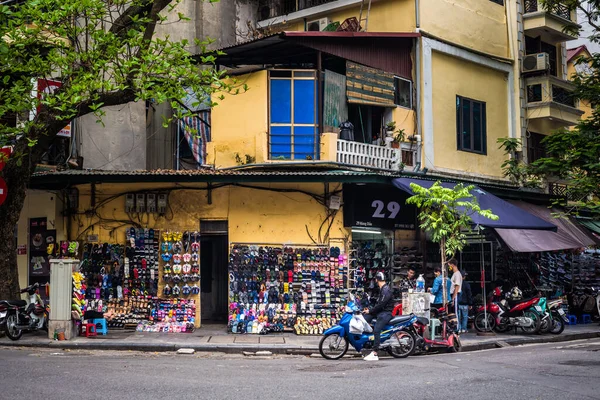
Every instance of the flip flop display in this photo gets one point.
(276, 289)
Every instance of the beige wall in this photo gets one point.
(475, 24)
(452, 77)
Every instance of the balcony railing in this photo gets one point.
(276, 8)
(559, 9)
(550, 89)
(368, 155)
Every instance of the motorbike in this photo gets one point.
(510, 313)
(24, 315)
(448, 339)
(558, 316)
(397, 338)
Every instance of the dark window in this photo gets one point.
(535, 147)
(408, 158)
(535, 45)
(471, 129)
(403, 92)
(501, 2)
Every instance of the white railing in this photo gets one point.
(368, 155)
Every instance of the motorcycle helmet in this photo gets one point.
(186, 289)
(176, 290)
(380, 276)
(167, 290)
(516, 293)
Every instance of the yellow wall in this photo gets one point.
(38, 204)
(253, 215)
(239, 123)
(476, 24)
(452, 77)
(385, 16)
(584, 105)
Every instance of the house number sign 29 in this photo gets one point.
(383, 210)
(377, 206)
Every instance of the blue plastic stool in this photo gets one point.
(572, 320)
(586, 319)
(103, 328)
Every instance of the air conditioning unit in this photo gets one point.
(535, 62)
(317, 25)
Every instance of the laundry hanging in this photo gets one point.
(196, 130)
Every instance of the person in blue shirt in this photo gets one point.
(436, 290)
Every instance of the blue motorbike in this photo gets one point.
(397, 338)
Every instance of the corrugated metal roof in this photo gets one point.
(62, 179)
(388, 51)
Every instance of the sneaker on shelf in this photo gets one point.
(372, 356)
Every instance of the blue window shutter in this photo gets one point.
(281, 141)
(304, 142)
(281, 101)
(304, 101)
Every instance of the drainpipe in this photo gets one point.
(417, 14)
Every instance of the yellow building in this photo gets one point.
(573, 67)
(428, 86)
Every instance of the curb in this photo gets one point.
(281, 349)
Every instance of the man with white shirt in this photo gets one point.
(456, 283)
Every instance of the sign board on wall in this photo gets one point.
(378, 206)
(47, 86)
(370, 86)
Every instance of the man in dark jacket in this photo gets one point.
(382, 310)
(465, 301)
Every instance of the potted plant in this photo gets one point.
(390, 127)
(398, 138)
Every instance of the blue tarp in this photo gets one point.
(510, 216)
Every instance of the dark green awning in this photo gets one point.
(591, 224)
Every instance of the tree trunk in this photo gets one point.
(17, 179)
(444, 273)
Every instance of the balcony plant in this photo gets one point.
(398, 138)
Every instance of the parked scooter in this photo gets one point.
(512, 312)
(558, 315)
(448, 339)
(25, 316)
(397, 337)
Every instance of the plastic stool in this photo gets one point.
(572, 320)
(586, 319)
(88, 330)
(102, 322)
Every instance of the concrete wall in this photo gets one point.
(120, 144)
(475, 24)
(452, 77)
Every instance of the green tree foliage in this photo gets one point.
(446, 213)
(104, 52)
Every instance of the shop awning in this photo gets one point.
(568, 236)
(510, 216)
(591, 224)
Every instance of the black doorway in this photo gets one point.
(214, 254)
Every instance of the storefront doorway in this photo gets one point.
(213, 266)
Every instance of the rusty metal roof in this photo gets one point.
(62, 179)
(388, 51)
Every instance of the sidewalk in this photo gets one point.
(213, 338)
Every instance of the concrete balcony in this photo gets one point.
(368, 155)
(554, 26)
(550, 103)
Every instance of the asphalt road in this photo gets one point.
(567, 371)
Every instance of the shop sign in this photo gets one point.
(377, 206)
(22, 250)
(47, 86)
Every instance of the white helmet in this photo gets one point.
(516, 293)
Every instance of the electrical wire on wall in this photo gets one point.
(137, 219)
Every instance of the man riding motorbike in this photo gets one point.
(382, 311)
